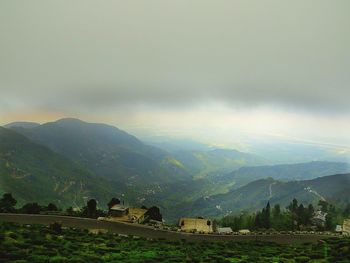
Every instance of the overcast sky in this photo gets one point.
(209, 68)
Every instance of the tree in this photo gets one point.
(52, 207)
(323, 205)
(293, 206)
(257, 222)
(265, 216)
(276, 211)
(301, 215)
(346, 212)
(56, 227)
(154, 213)
(268, 215)
(310, 213)
(91, 208)
(31, 208)
(7, 203)
(114, 201)
(69, 210)
(331, 217)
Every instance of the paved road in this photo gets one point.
(149, 232)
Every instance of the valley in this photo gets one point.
(70, 161)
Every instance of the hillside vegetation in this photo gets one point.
(42, 244)
(70, 161)
(34, 173)
(255, 195)
(286, 172)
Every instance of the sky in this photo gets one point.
(212, 70)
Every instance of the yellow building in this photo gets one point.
(346, 227)
(196, 225)
(128, 215)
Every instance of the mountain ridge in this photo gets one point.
(255, 195)
(33, 172)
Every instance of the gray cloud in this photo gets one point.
(91, 55)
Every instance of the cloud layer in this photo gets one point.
(91, 55)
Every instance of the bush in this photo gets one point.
(56, 227)
(58, 259)
(302, 259)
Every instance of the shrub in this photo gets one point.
(56, 227)
(302, 259)
(58, 259)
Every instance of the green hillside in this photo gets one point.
(33, 173)
(37, 243)
(255, 195)
(216, 162)
(70, 160)
(107, 151)
(285, 172)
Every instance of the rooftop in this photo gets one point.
(118, 208)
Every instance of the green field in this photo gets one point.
(37, 243)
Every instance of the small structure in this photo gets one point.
(118, 211)
(338, 229)
(125, 214)
(200, 225)
(244, 231)
(137, 215)
(346, 227)
(224, 230)
(319, 218)
(128, 215)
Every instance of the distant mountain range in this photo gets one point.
(68, 161)
(22, 124)
(255, 195)
(217, 161)
(142, 171)
(285, 172)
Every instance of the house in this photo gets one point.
(196, 225)
(224, 230)
(346, 227)
(118, 211)
(126, 214)
(319, 218)
(137, 215)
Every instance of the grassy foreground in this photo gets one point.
(36, 243)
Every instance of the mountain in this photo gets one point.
(285, 172)
(22, 124)
(283, 150)
(107, 151)
(217, 161)
(175, 144)
(34, 173)
(255, 195)
(69, 160)
(144, 175)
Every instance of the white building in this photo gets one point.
(338, 229)
(224, 230)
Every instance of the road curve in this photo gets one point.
(150, 232)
